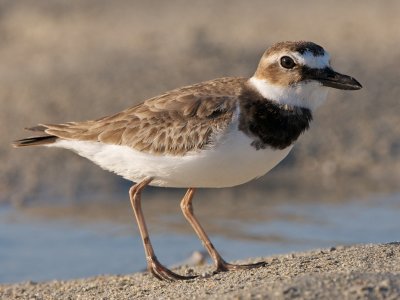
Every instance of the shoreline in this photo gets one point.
(342, 272)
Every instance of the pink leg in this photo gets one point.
(220, 263)
(153, 265)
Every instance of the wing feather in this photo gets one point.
(176, 122)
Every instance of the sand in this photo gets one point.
(342, 272)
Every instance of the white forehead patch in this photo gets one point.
(315, 62)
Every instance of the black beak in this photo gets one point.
(330, 78)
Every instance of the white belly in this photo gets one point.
(232, 161)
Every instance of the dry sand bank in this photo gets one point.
(356, 272)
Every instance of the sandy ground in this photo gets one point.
(356, 272)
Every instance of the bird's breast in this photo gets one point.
(233, 161)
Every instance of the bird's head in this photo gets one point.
(298, 74)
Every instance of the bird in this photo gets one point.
(214, 134)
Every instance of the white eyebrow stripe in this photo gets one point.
(306, 59)
(315, 62)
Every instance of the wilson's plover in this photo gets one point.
(219, 133)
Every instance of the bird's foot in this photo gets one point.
(163, 273)
(224, 266)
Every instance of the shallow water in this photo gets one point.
(32, 249)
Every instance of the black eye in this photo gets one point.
(287, 62)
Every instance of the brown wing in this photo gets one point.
(176, 122)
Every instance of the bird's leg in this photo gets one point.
(153, 265)
(220, 263)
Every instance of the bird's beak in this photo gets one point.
(330, 78)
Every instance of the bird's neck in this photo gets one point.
(308, 94)
(269, 123)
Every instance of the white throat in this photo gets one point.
(310, 94)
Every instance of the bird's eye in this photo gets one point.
(287, 62)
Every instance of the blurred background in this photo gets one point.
(63, 217)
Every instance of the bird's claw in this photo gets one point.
(224, 266)
(163, 273)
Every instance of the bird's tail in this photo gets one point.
(35, 140)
